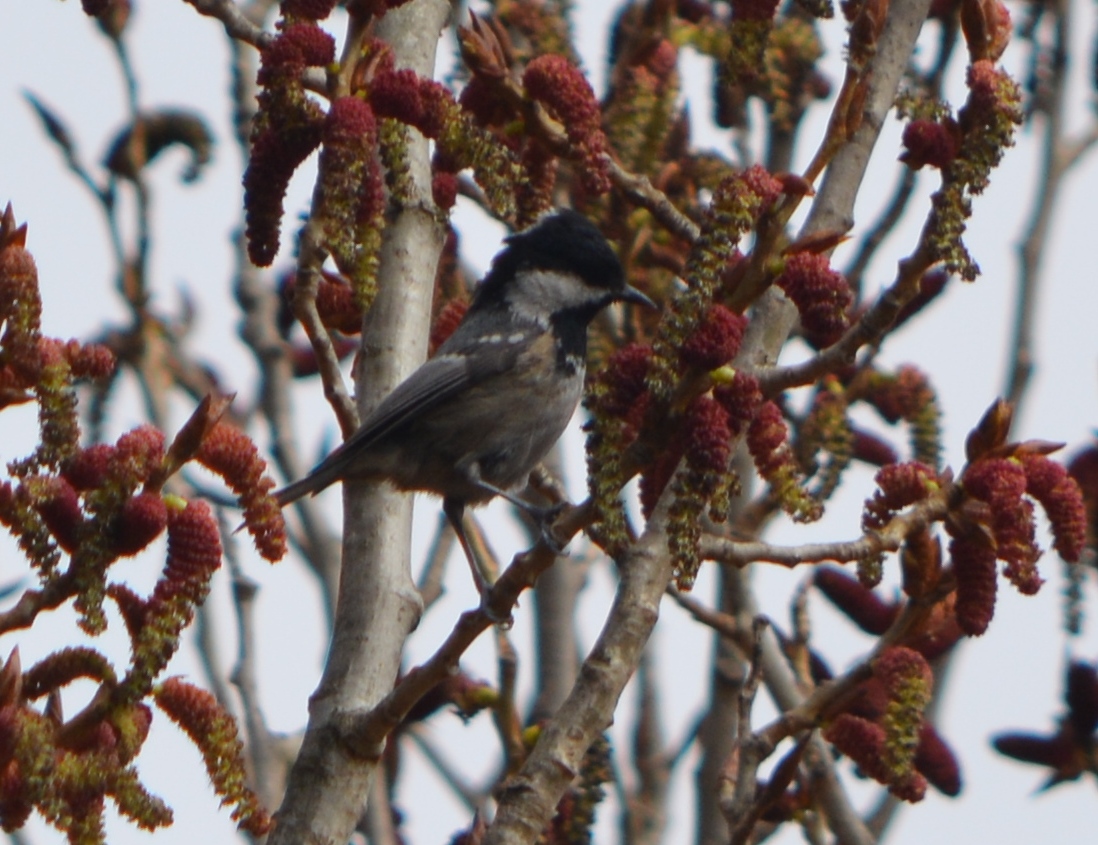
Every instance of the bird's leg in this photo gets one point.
(455, 512)
(544, 517)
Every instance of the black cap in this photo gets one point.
(564, 241)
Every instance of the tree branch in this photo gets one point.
(238, 24)
(887, 539)
(378, 605)
(527, 801)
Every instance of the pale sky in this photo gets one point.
(1009, 679)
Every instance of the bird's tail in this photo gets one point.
(311, 484)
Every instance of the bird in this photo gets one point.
(474, 420)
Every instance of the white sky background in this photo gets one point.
(1011, 678)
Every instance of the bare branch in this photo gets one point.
(1057, 157)
(647, 806)
(430, 579)
(238, 25)
(644, 193)
(465, 792)
(260, 742)
(311, 257)
(528, 799)
(505, 713)
(364, 730)
(378, 605)
(870, 328)
(738, 784)
(888, 539)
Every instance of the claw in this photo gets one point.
(546, 518)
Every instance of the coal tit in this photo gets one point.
(475, 419)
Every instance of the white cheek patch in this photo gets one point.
(535, 294)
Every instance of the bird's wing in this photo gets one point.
(464, 361)
(432, 384)
(437, 381)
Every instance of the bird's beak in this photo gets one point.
(631, 294)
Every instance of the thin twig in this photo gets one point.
(363, 732)
(310, 258)
(434, 570)
(645, 816)
(739, 778)
(469, 795)
(238, 25)
(505, 713)
(128, 74)
(680, 748)
(1054, 167)
(205, 632)
(870, 328)
(245, 679)
(259, 302)
(641, 191)
(32, 602)
(888, 539)
(881, 229)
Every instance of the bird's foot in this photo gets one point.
(504, 621)
(546, 519)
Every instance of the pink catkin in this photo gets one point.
(974, 568)
(716, 340)
(194, 553)
(561, 86)
(1062, 499)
